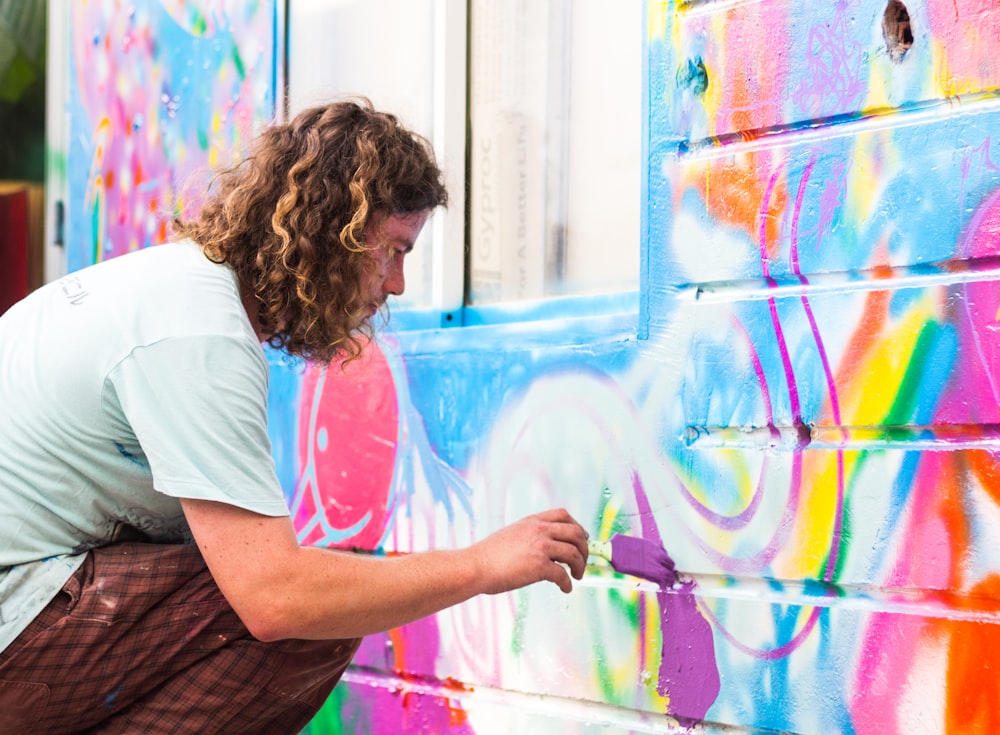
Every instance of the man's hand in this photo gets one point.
(531, 550)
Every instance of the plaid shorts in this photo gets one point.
(141, 640)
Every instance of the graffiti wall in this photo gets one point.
(803, 410)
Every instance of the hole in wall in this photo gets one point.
(693, 76)
(896, 30)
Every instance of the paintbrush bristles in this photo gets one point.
(641, 558)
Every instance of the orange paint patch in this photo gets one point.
(973, 679)
(735, 191)
(986, 468)
(864, 340)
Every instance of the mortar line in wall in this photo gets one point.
(567, 708)
(934, 604)
(950, 437)
(695, 8)
(882, 278)
(833, 126)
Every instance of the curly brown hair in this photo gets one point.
(290, 220)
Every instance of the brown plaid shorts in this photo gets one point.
(141, 640)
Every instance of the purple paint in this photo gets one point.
(688, 676)
(641, 558)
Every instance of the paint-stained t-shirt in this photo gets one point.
(124, 387)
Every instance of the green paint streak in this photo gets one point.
(604, 674)
(202, 139)
(329, 719)
(900, 413)
(238, 61)
(517, 639)
(619, 524)
(95, 232)
(56, 164)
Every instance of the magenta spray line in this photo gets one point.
(760, 560)
(735, 521)
(800, 431)
(831, 386)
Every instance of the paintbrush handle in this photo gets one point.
(600, 548)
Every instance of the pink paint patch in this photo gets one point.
(962, 30)
(892, 643)
(348, 436)
(412, 651)
(976, 307)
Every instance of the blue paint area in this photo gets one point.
(693, 76)
(111, 698)
(284, 397)
(460, 379)
(131, 457)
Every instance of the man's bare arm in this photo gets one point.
(283, 590)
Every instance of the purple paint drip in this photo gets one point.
(688, 674)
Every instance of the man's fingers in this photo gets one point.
(563, 527)
(547, 546)
(569, 554)
(560, 578)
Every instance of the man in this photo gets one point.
(134, 421)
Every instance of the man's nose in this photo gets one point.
(395, 283)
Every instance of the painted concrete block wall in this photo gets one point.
(803, 409)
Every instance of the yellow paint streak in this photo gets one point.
(867, 394)
(659, 19)
(866, 399)
(612, 509)
(653, 640)
(946, 80)
(744, 483)
(879, 83)
(864, 178)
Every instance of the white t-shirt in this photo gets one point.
(123, 387)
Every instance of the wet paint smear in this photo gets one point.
(642, 558)
(689, 675)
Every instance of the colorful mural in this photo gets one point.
(803, 411)
(160, 91)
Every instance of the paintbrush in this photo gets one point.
(636, 557)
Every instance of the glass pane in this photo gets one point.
(555, 110)
(380, 49)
